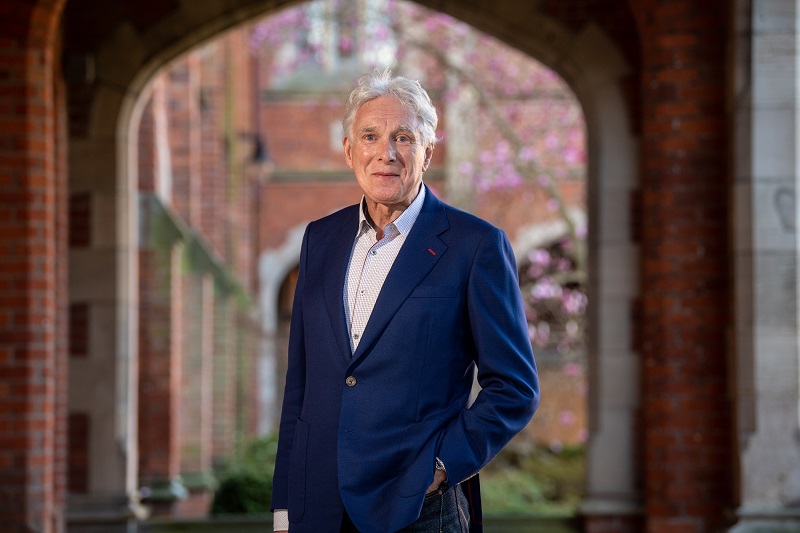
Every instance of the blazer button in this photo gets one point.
(351, 381)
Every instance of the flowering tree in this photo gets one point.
(531, 133)
(511, 126)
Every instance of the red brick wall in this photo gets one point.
(32, 290)
(183, 102)
(213, 159)
(685, 272)
(298, 133)
(285, 205)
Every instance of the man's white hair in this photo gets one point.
(409, 92)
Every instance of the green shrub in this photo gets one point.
(246, 483)
(533, 481)
(242, 492)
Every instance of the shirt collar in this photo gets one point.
(403, 223)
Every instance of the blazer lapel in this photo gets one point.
(421, 251)
(336, 260)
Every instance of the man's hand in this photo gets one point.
(439, 477)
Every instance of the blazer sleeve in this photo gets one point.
(507, 372)
(294, 390)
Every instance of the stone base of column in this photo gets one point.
(91, 513)
(161, 497)
(763, 520)
(201, 487)
(611, 516)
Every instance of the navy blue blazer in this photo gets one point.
(361, 431)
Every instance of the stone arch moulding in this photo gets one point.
(590, 63)
(596, 70)
(273, 267)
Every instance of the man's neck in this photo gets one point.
(379, 215)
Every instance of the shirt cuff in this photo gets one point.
(280, 520)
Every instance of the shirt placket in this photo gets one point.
(369, 283)
(361, 304)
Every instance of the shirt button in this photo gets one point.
(374, 252)
(355, 336)
(351, 381)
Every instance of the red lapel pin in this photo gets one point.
(431, 251)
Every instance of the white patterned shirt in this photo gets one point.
(370, 263)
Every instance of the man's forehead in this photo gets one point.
(379, 111)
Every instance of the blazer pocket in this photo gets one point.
(297, 472)
(435, 291)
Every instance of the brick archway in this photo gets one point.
(678, 206)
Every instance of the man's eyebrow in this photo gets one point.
(400, 129)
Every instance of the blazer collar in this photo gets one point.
(336, 259)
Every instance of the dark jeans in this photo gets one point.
(442, 512)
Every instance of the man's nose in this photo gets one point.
(388, 151)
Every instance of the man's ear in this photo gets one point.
(428, 156)
(348, 155)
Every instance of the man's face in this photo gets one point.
(386, 152)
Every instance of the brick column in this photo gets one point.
(196, 393)
(62, 306)
(160, 351)
(160, 325)
(31, 286)
(184, 134)
(686, 303)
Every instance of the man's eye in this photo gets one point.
(403, 139)
(369, 137)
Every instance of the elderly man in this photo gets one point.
(399, 299)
